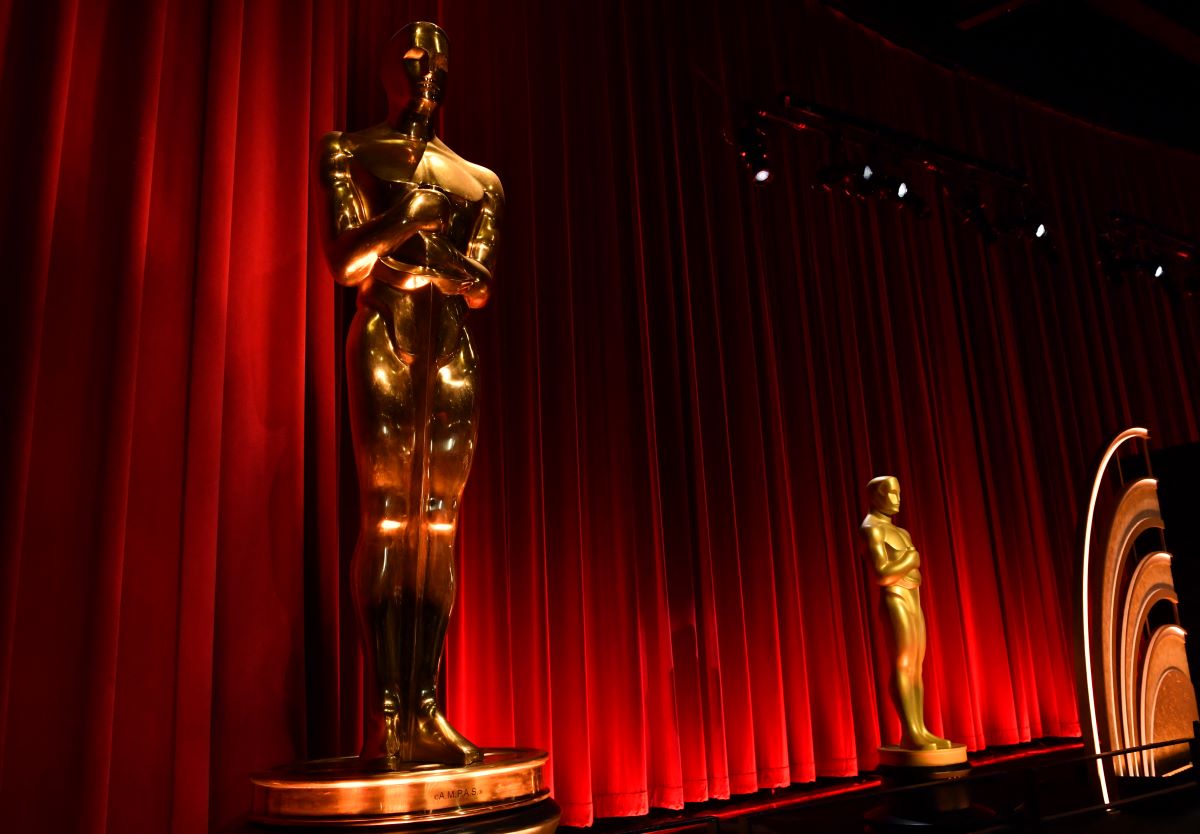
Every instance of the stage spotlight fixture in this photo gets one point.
(863, 181)
(1032, 227)
(1018, 213)
(847, 178)
(1132, 248)
(899, 193)
(1022, 223)
(752, 148)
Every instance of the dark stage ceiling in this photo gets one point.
(1131, 65)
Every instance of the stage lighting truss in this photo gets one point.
(872, 179)
(873, 163)
(870, 162)
(1132, 249)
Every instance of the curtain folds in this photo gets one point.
(687, 382)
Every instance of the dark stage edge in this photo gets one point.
(838, 805)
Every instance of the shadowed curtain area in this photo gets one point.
(687, 383)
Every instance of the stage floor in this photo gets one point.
(1046, 773)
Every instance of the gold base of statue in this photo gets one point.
(942, 804)
(341, 792)
(903, 757)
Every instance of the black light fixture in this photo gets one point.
(853, 179)
(752, 148)
(870, 178)
(1021, 215)
(897, 190)
(1031, 228)
(1134, 249)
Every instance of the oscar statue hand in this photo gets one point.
(456, 274)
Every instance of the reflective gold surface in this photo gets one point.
(1144, 689)
(415, 228)
(340, 791)
(1167, 702)
(1086, 601)
(890, 756)
(1150, 584)
(1145, 686)
(897, 568)
(1136, 512)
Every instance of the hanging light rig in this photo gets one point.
(1133, 249)
(873, 179)
(874, 162)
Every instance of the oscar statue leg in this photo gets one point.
(413, 420)
(907, 671)
(929, 739)
(450, 445)
(382, 423)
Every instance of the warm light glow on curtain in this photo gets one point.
(687, 383)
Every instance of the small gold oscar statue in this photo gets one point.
(415, 228)
(897, 568)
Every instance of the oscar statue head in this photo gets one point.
(415, 66)
(884, 493)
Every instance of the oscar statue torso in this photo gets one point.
(387, 169)
(897, 543)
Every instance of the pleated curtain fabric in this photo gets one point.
(687, 382)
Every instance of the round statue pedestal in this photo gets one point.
(339, 792)
(944, 805)
(903, 757)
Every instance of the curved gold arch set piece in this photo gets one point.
(1138, 678)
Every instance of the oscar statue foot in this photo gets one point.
(932, 742)
(436, 741)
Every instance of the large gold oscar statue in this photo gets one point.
(414, 227)
(897, 567)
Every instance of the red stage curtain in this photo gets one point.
(688, 382)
